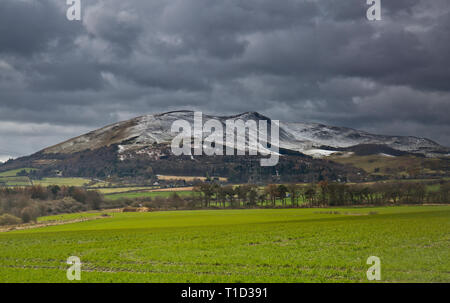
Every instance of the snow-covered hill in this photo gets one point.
(316, 135)
(141, 133)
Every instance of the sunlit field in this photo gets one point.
(282, 245)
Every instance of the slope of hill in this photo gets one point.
(144, 131)
(341, 137)
(141, 146)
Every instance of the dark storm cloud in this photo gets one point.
(294, 60)
(27, 27)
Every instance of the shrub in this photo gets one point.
(8, 219)
(78, 194)
(94, 199)
(29, 214)
(129, 209)
(38, 192)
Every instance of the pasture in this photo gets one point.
(62, 181)
(253, 245)
(14, 172)
(145, 194)
(117, 190)
(15, 181)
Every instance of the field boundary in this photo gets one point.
(48, 223)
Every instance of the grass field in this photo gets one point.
(66, 217)
(144, 194)
(15, 181)
(10, 178)
(395, 167)
(284, 245)
(62, 181)
(13, 173)
(117, 190)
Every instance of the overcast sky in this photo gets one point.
(318, 60)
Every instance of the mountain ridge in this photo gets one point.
(297, 136)
(140, 149)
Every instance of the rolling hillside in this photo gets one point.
(141, 147)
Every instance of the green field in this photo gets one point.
(15, 181)
(13, 173)
(146, 194)
(283, 245)
(10, 178)
(62, 181)
(67, 217)
(117, 190)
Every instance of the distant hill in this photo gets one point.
(129, 148)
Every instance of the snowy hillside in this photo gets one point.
(140, 133)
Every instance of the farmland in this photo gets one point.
(187, 178)
(62, 181)
(259, 245)
(10, 178)
(13, 173)
(396, 167)
(15, 181)
(146, 194)
(117, 190)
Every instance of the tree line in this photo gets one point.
(26, 204)
(321, 194)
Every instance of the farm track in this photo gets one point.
(38, 225)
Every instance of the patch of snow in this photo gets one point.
(386, 155)
(142, 132)
(319, 153)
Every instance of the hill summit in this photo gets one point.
(309, 138)
(141, 147)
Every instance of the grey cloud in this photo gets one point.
(113, 22)
(293, 60)
(27, 27)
